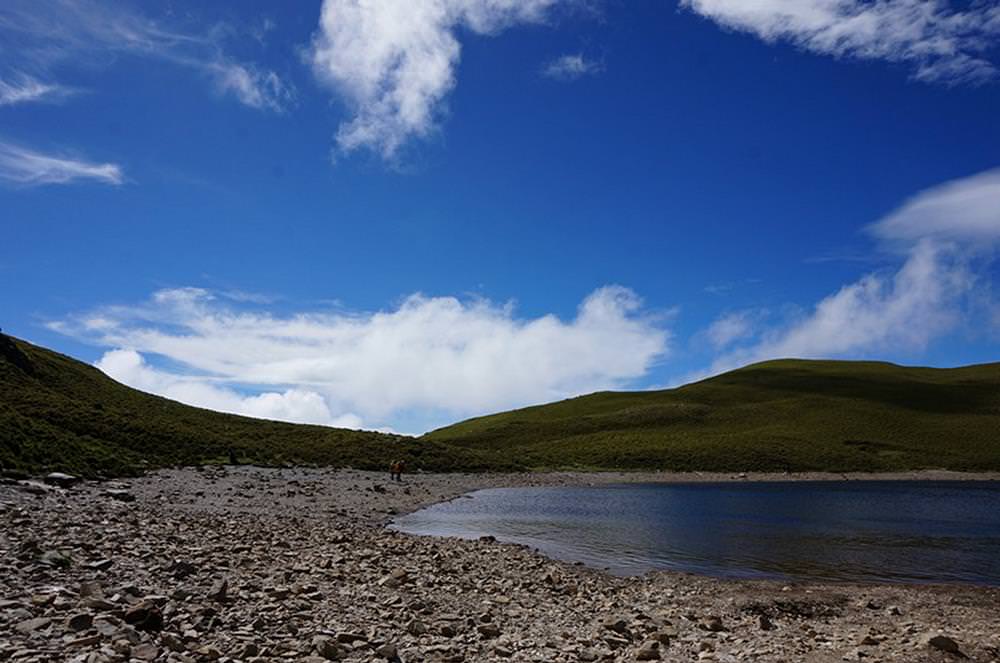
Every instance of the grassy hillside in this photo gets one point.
(780, 415)
(57, 413)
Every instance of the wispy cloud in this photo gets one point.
(393, 63)
(571, 67)
(24, 167)
(946, 238)
(42, 35)
(432, 354)
(940, 43)
(21, 88)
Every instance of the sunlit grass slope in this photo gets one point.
(780, 415)
(57, 413)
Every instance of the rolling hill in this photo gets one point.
(792, 415)
(57, 413)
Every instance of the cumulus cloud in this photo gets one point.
(434, 354)
(22, 88)
(940, 43)
(571, 67)
(393, 62)
(297, 405)
(947, 236)
(24, 167)
(42, 35)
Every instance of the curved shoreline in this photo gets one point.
(297, 563)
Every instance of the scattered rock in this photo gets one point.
(712, 623)
(942, 643)
(61, 480)
(144, 616)
(649, 651)
(81, 621)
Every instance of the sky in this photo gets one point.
(395, 215)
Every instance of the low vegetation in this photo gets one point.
(57, 413)
(789, 415)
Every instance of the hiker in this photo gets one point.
(393, 470)
(400, 468)
(232, 456)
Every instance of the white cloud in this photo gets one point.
(393, 62)
(25, 167)
(731, 327)
(41, 35)
(571, 67)
(948, 235)
(433, 354)
(965, 210)
(297, 405)
(21, 89)
(940, 43)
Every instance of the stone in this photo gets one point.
(89, 588)
(86, 641)
(32, 625)
(649, 651)
(119, 494)
(616, 624)
(712, 623)
(60, 479)
(81, 621)
(101, 565)
(219, 591)
(488, 630)
(144, 616)
(328, 648)
(56, 558)
(942, 643)
(350, 638)
(388, 651)
(145, 652)
(416, 627)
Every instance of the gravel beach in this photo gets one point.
(255, 564)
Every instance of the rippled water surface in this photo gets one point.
(900, 531)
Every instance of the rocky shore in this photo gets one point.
(251, 564)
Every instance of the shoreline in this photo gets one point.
(258, 564)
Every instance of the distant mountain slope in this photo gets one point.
(791, 415)
(57, 413)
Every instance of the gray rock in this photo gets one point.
(942, 643)
(712, 623)
(649, 651)
(32, 625)
(488, 630)
(61, 480)
(388, 651)
(81, 621)
(219, 591)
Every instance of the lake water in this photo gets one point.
(898, 531)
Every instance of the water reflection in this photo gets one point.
(905, 531)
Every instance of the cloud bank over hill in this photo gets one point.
(364, 368)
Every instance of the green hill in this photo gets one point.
(790, 415)
(57, 413)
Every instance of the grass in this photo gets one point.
(792, 415)
(57, 413)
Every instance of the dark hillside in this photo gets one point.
(790, 415)
(57, 413)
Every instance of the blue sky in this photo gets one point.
(404, 214)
